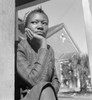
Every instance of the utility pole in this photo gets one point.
(88, 30)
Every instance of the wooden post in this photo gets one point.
(88, 28)
(7, 31)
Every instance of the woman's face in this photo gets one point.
(38, 23)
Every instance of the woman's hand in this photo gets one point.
(29, 33)
(32, 35)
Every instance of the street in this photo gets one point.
(76, 97)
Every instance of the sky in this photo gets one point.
(70, 13)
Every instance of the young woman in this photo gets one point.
(35, 58)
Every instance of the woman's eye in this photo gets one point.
(34, 22)
(44, 23)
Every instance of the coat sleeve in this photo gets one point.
(55, 81)
(31, 72)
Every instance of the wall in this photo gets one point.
(7, 17)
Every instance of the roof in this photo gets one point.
(67, 56)
(21, 4)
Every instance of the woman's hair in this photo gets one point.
(27, 15)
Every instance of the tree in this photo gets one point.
(77, 68)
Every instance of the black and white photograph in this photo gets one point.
(46, 50)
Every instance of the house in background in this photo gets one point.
(62, 42)
(63, 45)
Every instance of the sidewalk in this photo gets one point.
(75, 97)
(68, 95)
